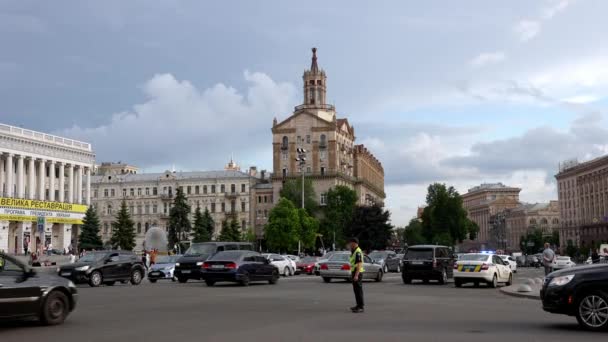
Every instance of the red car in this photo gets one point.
(306, 265)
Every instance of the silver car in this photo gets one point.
(338, 267)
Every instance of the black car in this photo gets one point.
(105, 267)
(580, 291)
(427, 262)
(189, 266)
(25, 293)
(241, 267)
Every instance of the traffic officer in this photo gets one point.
(356, 267)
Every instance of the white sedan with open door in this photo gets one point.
(482, 268)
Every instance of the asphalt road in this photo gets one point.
(302, 308)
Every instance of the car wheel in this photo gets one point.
(209, 283)
(457, 283)
(494, 282)
(285, 271)
(109, 283)
(406, 280)
(592, 311)
(379, 276)
(182, 280)
(510, 281)
(56, 308)
(275, 277)
(327, 280)
(444, 278)
(152, 280)
(136, 277)
(244, 280)
(95, 279)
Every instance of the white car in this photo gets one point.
(511, 260)
(477, 268)
(293, 259)
(562, 262)
(282, 263)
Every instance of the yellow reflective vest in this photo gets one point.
(353, 257)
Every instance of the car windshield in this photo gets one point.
(92, 257)
(167, 259)
(308, 260)
(419, 254)
(474, 257)
(199, 249)
(227, 256)
(378, 255)
(339, 257)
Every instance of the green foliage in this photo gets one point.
(230, 231)
(338, 213)
(249, 236)
(444, 219)
(123, 234)
(308, 228)
(179, 223)
(89, 231)
(282, 230)
(292, 190)
(412, 234)
(200, 232)
(537, 241)
(370, 224)
(209, 224)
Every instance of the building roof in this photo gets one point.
(492, 187)
(179, 175)
(263, 186)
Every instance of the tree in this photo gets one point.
(123, 233)
(412, 234)
(338, 213)
(532, 242)
(230, 231)
(370, 224)
(308, 228)
(444, 219)
(292, 190)
(208, 223)
(282, 229)
(179, 223)
(89, 231)
(200, 233)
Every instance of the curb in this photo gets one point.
(525, 295)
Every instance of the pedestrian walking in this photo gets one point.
(72, 258)
(356, 267)
(144, 259)
(153, 257)
(548, 258)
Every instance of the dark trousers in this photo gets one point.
(548, 269)
(358, 289)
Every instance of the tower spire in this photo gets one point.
(313, 66)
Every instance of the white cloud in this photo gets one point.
(488, 58)
(553, 8)
(527, 29)
(196, 129)
(581, 99)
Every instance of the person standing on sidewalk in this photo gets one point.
(548, 258)
(356, 268)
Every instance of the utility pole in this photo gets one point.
(302, 161)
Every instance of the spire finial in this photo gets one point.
(314, 67)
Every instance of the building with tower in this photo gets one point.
(332, 156)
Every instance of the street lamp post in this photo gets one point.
(302, 161)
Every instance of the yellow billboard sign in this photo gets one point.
(41, 205)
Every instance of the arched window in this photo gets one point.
(138, 227)
(323, 141)
(544, 221)
(555, 221)
(532, 221)
(147, 226)
(285, 143)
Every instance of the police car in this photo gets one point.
(511, 260)
(480, 267)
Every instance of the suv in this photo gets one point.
(579, 291)
(427, 262)
(190, 265)
(105, 267)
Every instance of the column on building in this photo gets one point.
(20, 177)
(88, 186)
(31, 171)
(61, 183)
(70, 198)
(9, 176)
(41, 175)
(52, 181)
(79, 184)
(23, 227)
(2, 175)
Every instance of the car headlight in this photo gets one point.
(82, 268)
(177, 264)
(58, 269)
(200, 263)
(561, 281)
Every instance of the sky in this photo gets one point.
(458, 92)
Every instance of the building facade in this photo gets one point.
(482, 203)
(332, 158)
(583, 202)
(45, 189)
(227, 194)
(527, 217)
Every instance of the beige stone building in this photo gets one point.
(119, 168)
(332, 157)
(484, 201)
(526, 217)
(226, 194)
(583, 202)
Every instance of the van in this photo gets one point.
(190, 264)
(427, 262)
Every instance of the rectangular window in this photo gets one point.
(244, 225)
(222, 188)
(265, 199)
(112, 193)
(323, 199)
(165, 208)
(105, 192)
(308, 139)
(308, 169)
(232, 188)
(154, 191)
(132, 209)
(132, 192)
(139, 209)
(243, 188)
(259, 199)
(232, 206)
(204, 189)
(213, 189)
(243, 206)
(223, 207)
(322, 170)
(154, 208)
(147, 209)
(95, 194)
(124, 192)
(147, 191)
(212, 207)
(138, 191)
(188, 189)
(284, 156)
(196, 190)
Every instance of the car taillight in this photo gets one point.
(345, 267)
(485, 267)
(324, 267)
(230, 265)
(206, 265)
